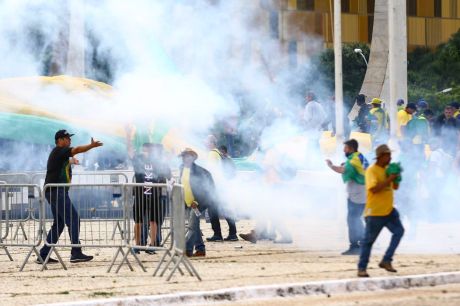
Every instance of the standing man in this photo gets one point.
(64, 213)
(199, 195)
(149, 202)
(378, 119)
(353, 175)
(403, 118)
(314, 116)
(361, 120)
(216, 167)
(379, 211)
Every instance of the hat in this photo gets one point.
(382, 149)
(62, 134)
(188, 151)
(422, 104)
(376, 101)
(400, 102)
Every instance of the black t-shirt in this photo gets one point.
(150, 171)
(58, 169)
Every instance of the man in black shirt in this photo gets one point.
(150, 202)
(64, 213)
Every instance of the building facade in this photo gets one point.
(429, 22)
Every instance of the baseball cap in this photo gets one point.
(376, 101)
(381, 150)
(62, 134)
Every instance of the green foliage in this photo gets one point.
(428, 72)
(354, 69)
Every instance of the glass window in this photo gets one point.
(274, 26)
(411, 7)
(345, 6)
(370, 6)
(308, 5)
(437, 8)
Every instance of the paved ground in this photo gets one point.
(226, 265)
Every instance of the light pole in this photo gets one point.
(359, 51)
(338, 71)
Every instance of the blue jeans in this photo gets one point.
(355, 223)
(64, 213)
(374, 226)
(193, 237)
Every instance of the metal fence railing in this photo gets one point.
(17, 228)
(101, 210)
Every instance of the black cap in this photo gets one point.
(62, 134)
(411, 106)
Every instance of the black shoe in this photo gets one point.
(231, 238)
(135, 251)
(215, 239)
(50, 261)
(80, 258)
(150, 252)
(352, 251)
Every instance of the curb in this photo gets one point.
(282, 290)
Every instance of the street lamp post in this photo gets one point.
(359, 51)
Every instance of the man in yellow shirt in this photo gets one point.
(199, 195)
(404, 116)
(379, 211)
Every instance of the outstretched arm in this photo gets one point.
(85, 148)
(338, 169)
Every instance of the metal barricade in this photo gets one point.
(15, 178)
(93, 213)
(17, 228)
(124, 215)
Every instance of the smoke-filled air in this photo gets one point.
(180, 71)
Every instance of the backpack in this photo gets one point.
(228, 166)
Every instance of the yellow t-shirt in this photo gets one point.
(185, 180)
(403, 118)
(380, 203)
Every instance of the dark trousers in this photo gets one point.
(355, 223)
(64, 213)
(374, 226)
(215, 222)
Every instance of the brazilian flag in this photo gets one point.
(355, 168)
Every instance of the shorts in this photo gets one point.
(149, 207)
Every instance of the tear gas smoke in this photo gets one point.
(182, 63)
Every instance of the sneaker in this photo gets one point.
(387, 266)
(352, 251)
(135, 251)
(50, 261)
(150, 252)
(362, 273)
(251, 237)
(199, 254)
(215, 239)
(231, 238)
(80, 258)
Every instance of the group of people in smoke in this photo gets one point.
(370, 188)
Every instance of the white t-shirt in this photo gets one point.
(314, 116)
(356, 192)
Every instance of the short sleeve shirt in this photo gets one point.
(380, 203)
(58, 170)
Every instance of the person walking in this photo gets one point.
(199, 195)
(59, 171)
(379, 211)
(353, 175)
